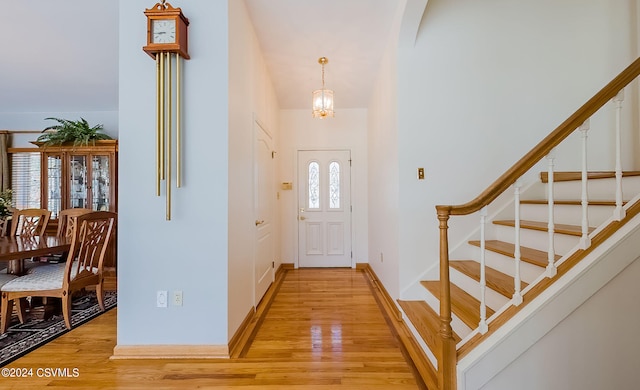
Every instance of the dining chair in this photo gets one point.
(30, 222)
(66, 221)
(4, 278)
(90, 239)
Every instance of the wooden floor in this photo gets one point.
(323, 330)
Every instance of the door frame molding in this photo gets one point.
(296, 203)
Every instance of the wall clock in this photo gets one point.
(167, 44)
(166, 30)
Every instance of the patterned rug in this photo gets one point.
(23, 338)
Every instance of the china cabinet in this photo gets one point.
(79, 177)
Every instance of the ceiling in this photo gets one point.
(293, 34)
(59, 49)
(53, 59)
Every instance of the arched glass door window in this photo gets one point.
(314, 185)
(334, 185)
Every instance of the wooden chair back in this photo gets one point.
(29, 222)
(67, 219)
(90, 239)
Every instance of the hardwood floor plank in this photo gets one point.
(323, 330)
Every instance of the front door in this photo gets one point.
(324, 208)
(263, 205)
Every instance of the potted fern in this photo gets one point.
(76, 132)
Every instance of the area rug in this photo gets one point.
(23, 338)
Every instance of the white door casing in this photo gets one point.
(263, 205)
(324, 208)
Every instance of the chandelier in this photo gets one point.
(322, 98)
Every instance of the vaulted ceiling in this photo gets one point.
(58, 60)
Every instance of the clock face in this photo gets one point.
(163, 31)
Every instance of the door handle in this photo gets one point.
(302, 218)
(259, 222)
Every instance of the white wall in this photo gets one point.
(599, 345)
(251, 95)
(383, 168)
(298, 130)
(188, 253)
(485, 82)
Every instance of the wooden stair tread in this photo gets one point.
(426, 321)
(577, 175)
(573, 202)
(530, 255)
(572, 230)
(463, 305)
(496, 280)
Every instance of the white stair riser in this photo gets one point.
(536, 239)
(600, 189)
(493, 299)
(566, 214)
(506, 265)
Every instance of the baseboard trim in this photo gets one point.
(391, 306)
(170, 352)
(249, 332)
(234, 344)
(412, 350)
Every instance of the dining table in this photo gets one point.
(15, 249)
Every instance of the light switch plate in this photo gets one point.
(161, 298)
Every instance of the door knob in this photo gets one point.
(302, 218)
(259, 222)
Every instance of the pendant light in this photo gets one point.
(322, 98)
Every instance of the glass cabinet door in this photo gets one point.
(100, 183)
(78, 182)
(54, 184)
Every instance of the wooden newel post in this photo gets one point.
(448, 358)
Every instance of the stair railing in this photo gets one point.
(447, 357)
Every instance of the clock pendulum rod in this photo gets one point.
(162, 114)
(169, 134)
(158, 116)
(164, 123)
(178, 129)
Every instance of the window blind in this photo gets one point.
(25, 179)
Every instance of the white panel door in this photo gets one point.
(264, 204)
(324, 208)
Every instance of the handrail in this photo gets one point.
(447, 354)
(549, 142)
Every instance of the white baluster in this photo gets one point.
(517, 295)
(551, 267)
(619, 212)
(482, 326)
(585, 241)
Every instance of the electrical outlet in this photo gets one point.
(161, 298)
(177, 298)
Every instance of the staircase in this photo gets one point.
(524, 244)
